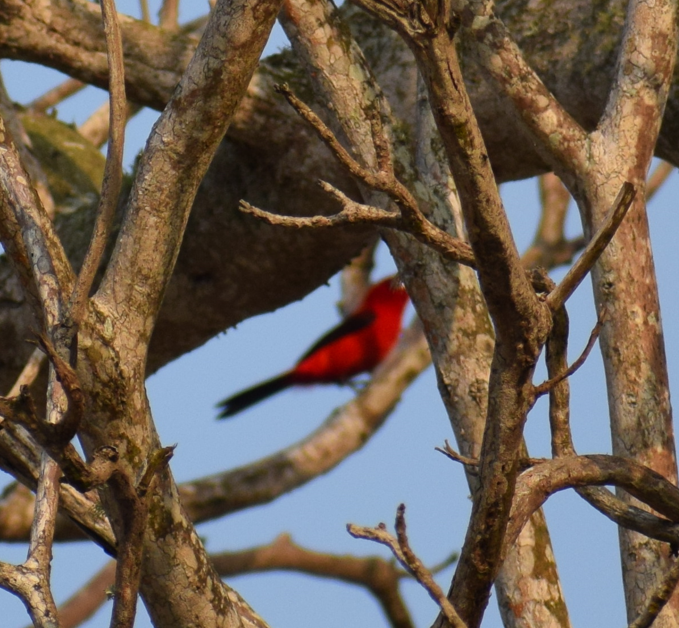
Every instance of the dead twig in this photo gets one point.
(594, 249)
(410, 219)
(29, 372)
(471, 464)
(546, 386)
(657, 178)
(168, 15)
(400, 547)
(377, 575)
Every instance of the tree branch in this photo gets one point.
(536, 484)
(659, 598)
(594, 248)
(379, 577)
(113, 173)
(193, 123)
(400, 547)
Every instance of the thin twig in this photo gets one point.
(411, 219)
(357, 213)
(401, 549)
(168, 16)
(594, 249)
(329, 139)
(96, 128)
(113, 173)
(471, 464)
(547, 385)
(145, 14)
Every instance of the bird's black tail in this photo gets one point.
(246, 398)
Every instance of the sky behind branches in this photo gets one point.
(397, 465)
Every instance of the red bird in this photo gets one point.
(358, 344)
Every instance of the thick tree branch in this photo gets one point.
(659, 598)
(193, 123)
(536, 484)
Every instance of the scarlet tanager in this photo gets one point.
(358, 344)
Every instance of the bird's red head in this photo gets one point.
(388, 293)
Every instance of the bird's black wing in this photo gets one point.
(351, 324)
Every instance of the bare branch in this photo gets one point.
(549, 384)
(536, 484)
(29, 372)
(113, 173)
(643, 73)
(168, 16)
(630, 517)
(193, 124)
(538, 108)
(31, 586)
(45, 273)
(471, 464)
(600, 498)
(54, 438)
(411, 219)
(596, 246)
(378, 576)
(453, 249)
(133, 506)
(96, 129)
(400, 547)
(352, 213)
(145, 15)
(550, 247)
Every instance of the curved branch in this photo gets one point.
(535, 485)
(377, 575)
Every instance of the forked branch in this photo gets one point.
(401, 549)
(409, 218)
(594, 249)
